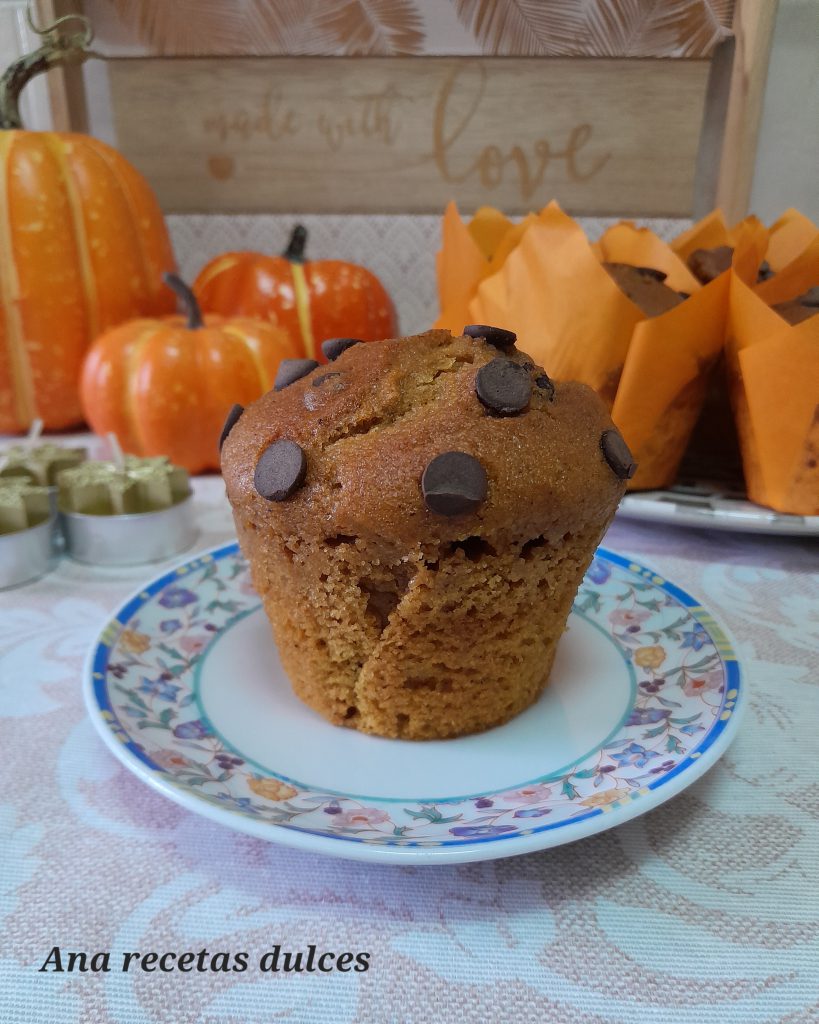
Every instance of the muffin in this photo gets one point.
(418, 516)
(708, 264)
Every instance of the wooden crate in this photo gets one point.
(216, 129)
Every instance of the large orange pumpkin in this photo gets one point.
(313, 300)
(82, 247)
(164, 387)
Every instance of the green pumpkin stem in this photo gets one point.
(59, 49)
(187, 300)
(296, 246)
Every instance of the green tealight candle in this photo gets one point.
(39, 463)
(22, 504)
(162, 484)
(109, 489)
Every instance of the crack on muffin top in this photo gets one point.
(420, 390)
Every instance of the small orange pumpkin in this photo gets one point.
(313, 300)
(164, 387)
(82, 247)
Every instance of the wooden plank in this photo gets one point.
(712, 136)
(405, 135)
(753, 33)
(66, 93)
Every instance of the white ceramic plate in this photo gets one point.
(708, 507)
(185, 687)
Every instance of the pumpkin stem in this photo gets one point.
(59, 48)
(187, 300)
(295, 247)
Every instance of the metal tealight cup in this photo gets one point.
(131, 539)
(27, 554)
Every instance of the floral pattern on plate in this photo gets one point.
(144, 679)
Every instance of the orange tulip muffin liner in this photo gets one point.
(543, 279)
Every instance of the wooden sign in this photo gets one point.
(406, 135)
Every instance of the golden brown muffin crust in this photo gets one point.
(371, 421)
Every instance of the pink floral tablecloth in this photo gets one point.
(705, 910)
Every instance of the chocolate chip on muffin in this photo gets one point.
(454, 484)
(544, 382)
(280, 470)
(333, 347)
(495, 336)
(617, 454)
(230, 421)
(291, 370)
(504, 387)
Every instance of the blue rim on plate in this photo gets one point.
(143, 692)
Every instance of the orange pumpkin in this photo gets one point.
(82, 247)
(164, 387)
(313, 300)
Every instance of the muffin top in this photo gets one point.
(419, 441)
(645, 287)
(708, 264)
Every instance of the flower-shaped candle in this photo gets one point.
(138, 486)
(39, 463)
(126, 511)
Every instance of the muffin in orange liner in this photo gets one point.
(664, 382)
(474, 251)
(554, 292)
(669, 359)
(748, 236)
(544, 280)
(672, 358)
(566, 310)
(773, 370)
(788, 247)
(626, 243)
(713, 451)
